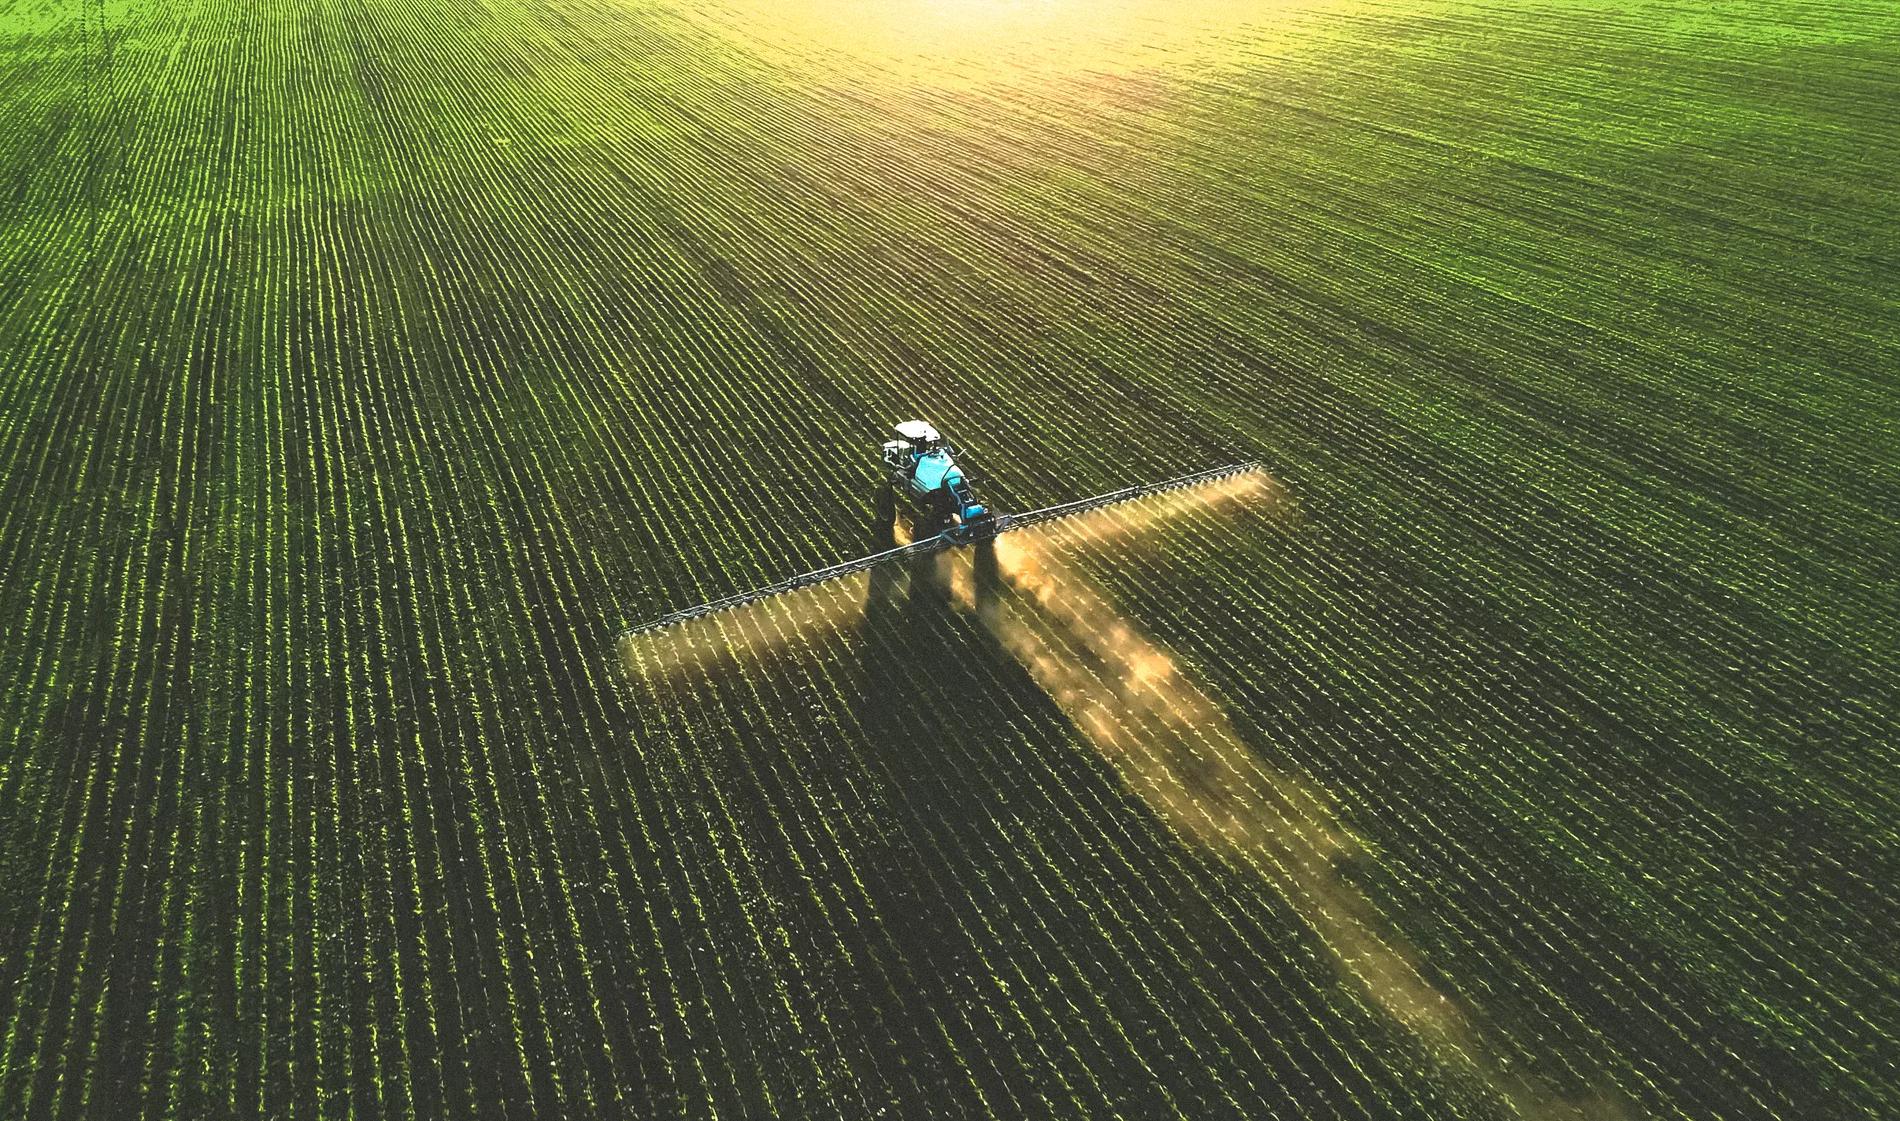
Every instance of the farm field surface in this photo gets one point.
(1519, 740)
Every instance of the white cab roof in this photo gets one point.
(917, 430)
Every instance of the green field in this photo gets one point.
(367, 367)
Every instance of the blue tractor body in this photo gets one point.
(924, 467)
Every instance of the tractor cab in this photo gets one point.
(924, 466)
(914, 439)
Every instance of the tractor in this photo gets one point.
(923, 468)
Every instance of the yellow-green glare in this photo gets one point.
(956, 42)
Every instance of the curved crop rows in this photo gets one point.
(367, 366)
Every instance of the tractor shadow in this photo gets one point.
(946, 717)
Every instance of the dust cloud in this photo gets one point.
(1172, 746)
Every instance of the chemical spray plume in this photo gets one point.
(749, 633)
(1173, 747)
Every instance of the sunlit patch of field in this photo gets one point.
(975, 42)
